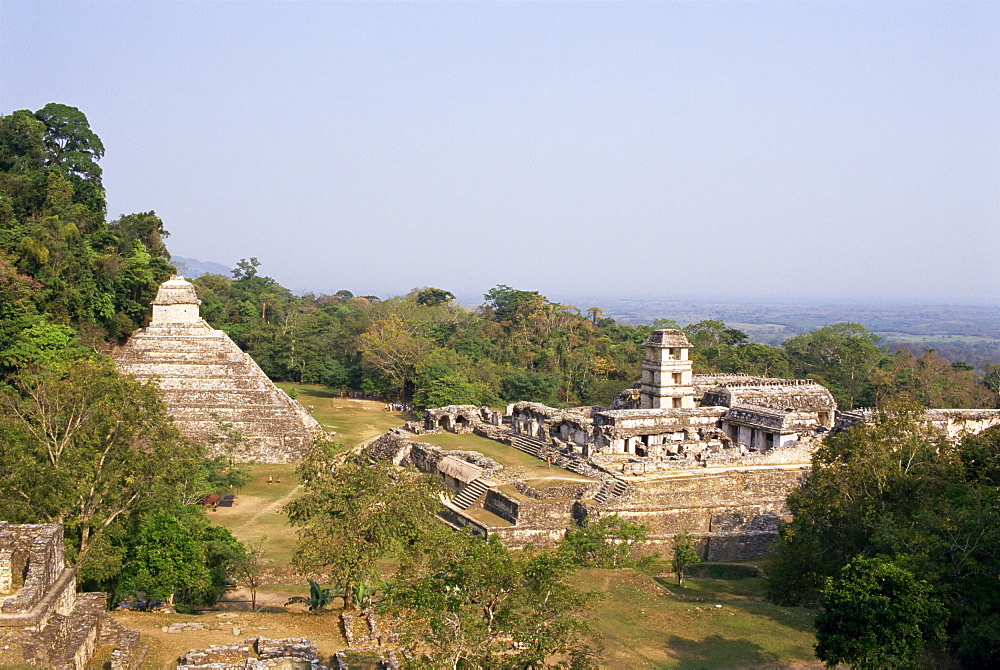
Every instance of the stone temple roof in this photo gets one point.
(667, 338)
(176, 291)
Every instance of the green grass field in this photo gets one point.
(649, 622)
(352, 420)
(257, 511)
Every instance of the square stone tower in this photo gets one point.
(666, 372)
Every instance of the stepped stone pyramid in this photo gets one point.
(208, 382)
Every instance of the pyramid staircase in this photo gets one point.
(207, 380)
(471, 493)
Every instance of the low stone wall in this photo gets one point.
(735, 513)
(537, 514)
(574, 491)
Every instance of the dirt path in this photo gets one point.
(272, 507)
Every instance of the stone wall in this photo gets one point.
(735, 512)
(44, 622)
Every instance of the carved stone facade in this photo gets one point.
(44, 622)
(210, 385)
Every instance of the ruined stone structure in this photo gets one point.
(210, 386)
(713, 455)
(951, 423)
(666, 372)
(257, 653)
(44, 622)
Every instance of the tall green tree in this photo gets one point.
(355, 512)
(844, 357)
(608, 542)
(896, 491)
(84, 446)
(75, 149)
(465, 603)
(877, 615)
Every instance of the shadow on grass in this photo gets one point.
(316, 392)
(716, 651)
(745, 595)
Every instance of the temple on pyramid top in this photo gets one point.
(214, 391)
(176, 302)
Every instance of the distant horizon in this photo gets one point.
(471, 298)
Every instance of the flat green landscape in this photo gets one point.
(650, 622)
(351, 420)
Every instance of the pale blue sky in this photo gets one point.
(736, 150)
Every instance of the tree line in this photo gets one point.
(519, 345)
(896, 534)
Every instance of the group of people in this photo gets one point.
(398, 407)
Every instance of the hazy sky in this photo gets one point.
(736, 150)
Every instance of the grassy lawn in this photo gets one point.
(527, 466)
(353, 420)
(257, 511)
(709, 623)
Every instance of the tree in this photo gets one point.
(991, 377)
(931, 381)
(894, 490)
(877, 615)
(84, 446)
(167, 558)
(470, 599)
(844, 357)
(246, 269)
(431, 297)
(685, 555)
(450, 390)
(529, 385)
(505, 304)
(607, 542)
(355, 512)
(758, 359)
(392, 349)
(248, 570)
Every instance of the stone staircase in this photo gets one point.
(612, 488)
(471, 493)
(529, 445)
(540, 448)
(208, 381)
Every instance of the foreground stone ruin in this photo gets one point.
(44, 622)
(257, 653)
(713, 455)
(214, 391)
